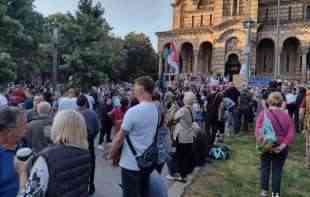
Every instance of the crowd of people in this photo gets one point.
(183, 118)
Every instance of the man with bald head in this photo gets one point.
(32, 113)
(38, 130)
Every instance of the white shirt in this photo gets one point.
(3, 100)
(290, 98)
(66, 103)
(91, 101)
(140, 123)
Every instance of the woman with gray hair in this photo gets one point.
(64, 168)
(275, 152)
(184, 134)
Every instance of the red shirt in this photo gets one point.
(117, 114)
(117, 117)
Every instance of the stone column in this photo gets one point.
(231, 7)
(160, 63)
(304, 63)
(238, 7)
(196, 61)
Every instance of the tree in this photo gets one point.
(141, 58)
(22, 28)
(7, 68)
(88, 50)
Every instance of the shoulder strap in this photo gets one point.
(277, 120)
(191, 112)
(132, 148)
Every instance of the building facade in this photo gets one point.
(210, 37)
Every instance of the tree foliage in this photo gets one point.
(88, 51)
(141, 58)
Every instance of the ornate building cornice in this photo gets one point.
(186, 31)
(283, 2)
(228, 23)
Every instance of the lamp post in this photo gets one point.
(248, 24)
(55, 55)
(277, 54)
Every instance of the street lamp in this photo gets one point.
(55, 56)
(248, 24)
(278, 49)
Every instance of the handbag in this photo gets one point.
(147, 162)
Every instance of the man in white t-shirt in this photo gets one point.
(140, 124)
(68, 102)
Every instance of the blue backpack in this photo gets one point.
(220, 152)
(267, 131)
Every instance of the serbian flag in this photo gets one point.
(173, 58)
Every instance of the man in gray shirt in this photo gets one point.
(140, 124)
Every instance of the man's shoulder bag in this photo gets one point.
(147, 162)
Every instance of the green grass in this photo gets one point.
(239, 176)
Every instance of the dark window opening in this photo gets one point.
(193, 21)
(290, 13)
(287, 63)
(201, 20)
(308, 12)
(211, 18)
(266, 14)
(300, 63)
(265, 65)
(235, 8)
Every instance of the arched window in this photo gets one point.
(266, 14)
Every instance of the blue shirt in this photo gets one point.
(9, 183)
(91, 122)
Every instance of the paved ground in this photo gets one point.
(107, 178)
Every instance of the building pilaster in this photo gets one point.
(196, 61)
(160, 62)
(238, 7)
(304, 63)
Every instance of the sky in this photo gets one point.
(147, 16)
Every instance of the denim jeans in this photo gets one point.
(135, 183)
(272, 163)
